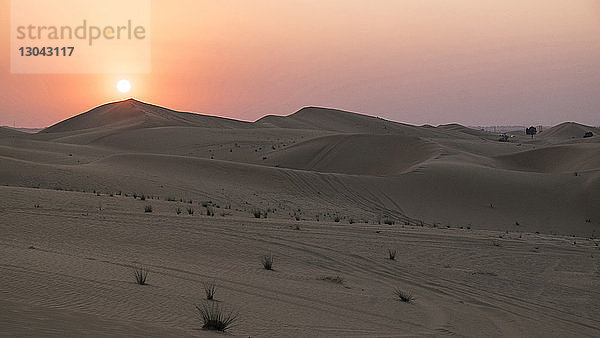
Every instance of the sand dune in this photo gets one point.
(494, 238)
(568, 130)
(132, 112)
(381, 155)
(9, 132)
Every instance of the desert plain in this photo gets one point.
(490, 238)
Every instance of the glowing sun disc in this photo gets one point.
(124, 86)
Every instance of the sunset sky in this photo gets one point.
(473, 62)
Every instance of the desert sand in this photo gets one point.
(493, 238)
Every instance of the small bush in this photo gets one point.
(404, 296)
(209, 290)
(267, 262)
(178, 211)
(148, 208)
(141, 274)
(256, 213)
(143, 197)
(210, 211)
(389, 221)
(392, 254)
(171, 199)
(214, 318)
(337, 219)
(336, 279)
(190, 211)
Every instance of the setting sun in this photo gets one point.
(124, 86)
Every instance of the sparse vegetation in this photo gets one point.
(215, 318)
(210, 211)
(392, 254)
(332, 279)
(389, 221)
(140, 273)
(190, 211)
(178, 211)
(148, 208)
(209, 290)
(256, 213)
(267, 261)
(404, 296)
(337, 219)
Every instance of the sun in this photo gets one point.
(124, 86)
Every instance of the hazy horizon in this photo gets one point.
(433, 62)
(502, 127)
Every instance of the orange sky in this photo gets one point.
(475, 62)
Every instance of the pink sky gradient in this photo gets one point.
(474, 62)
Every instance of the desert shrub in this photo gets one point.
(148, 208)
(404, 296)
(143, 197)
(215, 318)
(178, 211)
(389, 221)
(332, 279)
(337, 219)
(190, 211)
(256, 213)
(140, 273)
(392, 254)
(171, 199)
(210, 211)
(209, 290)
(267, 261)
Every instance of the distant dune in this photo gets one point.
(139, 114)
(24, 130)
(428, 174)
(568, 130)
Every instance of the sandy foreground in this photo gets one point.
(492, 238)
